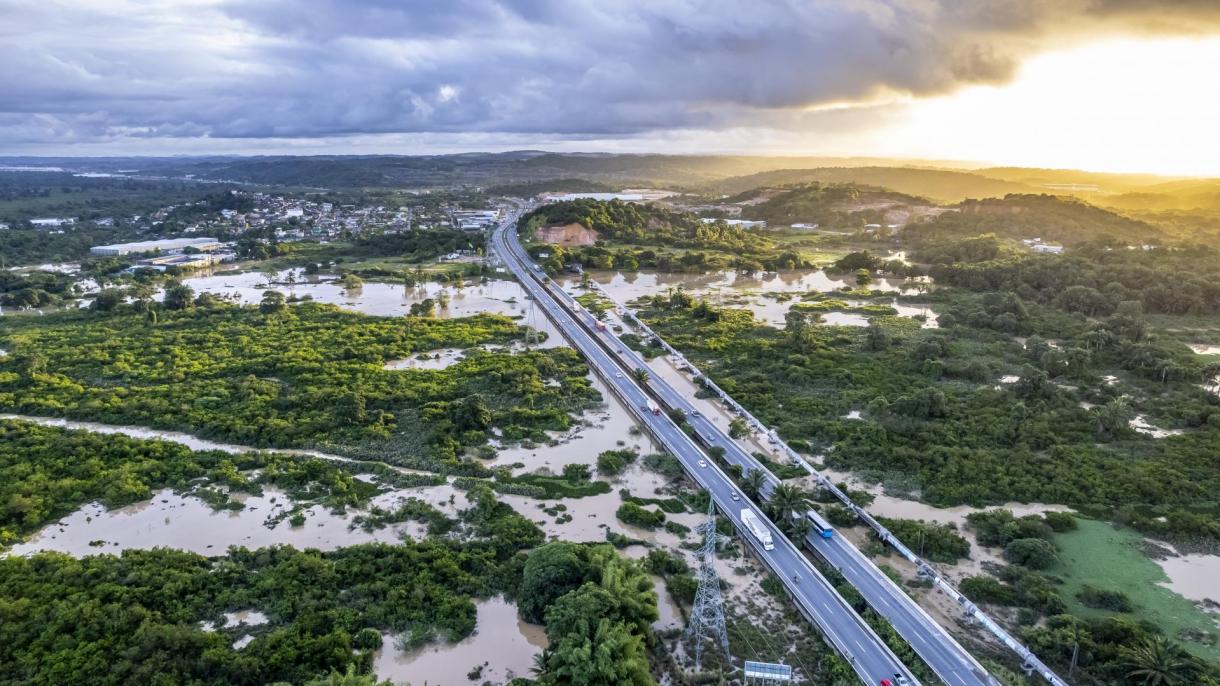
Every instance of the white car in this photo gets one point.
(735, 496)
(618, 375)
(702, 463)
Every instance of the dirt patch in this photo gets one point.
(566, 235)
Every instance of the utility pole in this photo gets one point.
(707, 617)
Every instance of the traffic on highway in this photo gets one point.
(869, 656)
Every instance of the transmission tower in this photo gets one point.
(707, 617)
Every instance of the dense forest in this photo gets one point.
(1054, 219)
(291, 376)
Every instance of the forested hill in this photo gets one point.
(942, 185)
(828, 204)
(1051, 218)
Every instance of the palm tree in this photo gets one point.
(787, 499)
(640, 375)
(1157, 661)
(753, 482)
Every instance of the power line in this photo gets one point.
(707, 616)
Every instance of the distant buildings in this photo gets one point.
(804, 226)
(743, 223)
(167, 246)
(52, 222)
(1038, 246)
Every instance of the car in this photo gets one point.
(901, 680)
(702, 463)
(694, 413)
(620, 351)
(886, 682)
(735, 496)
(618, 375)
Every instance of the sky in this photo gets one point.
(1112, 85)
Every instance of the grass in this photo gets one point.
(1102, 556)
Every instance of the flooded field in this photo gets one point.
(433, 359)
(503, 645)
(185, 522)
(755, 293)
(1194, 577)
(495, 296)
(609, 427)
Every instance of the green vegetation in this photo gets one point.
(613, 462)
(936, 542)
(1100, 556)
(306, 375)
(1054, 219)
(46, 473)
(148, 607)
(676, 241)
(637, 515)
(598, 610)
(932, 415)
(844, 206)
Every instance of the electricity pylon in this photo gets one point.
(707, 617)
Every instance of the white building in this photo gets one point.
(804, 226)
(743, 223)
(1048, 248)
(52, 222)
(168, 246)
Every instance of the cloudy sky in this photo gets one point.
(1107, 84)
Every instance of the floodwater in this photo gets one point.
(188, 440)
(667, 610)
(433, 359)
(606, 428)
(496, 296)
(728, 288)
(170, 520)
(592, 516)
(1194, 577)
(502, 642)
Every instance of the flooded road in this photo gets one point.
(502, 644)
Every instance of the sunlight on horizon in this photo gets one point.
(1123, 105)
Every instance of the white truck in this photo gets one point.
(756, 527)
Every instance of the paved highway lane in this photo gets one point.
(869, 656)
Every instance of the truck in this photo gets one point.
(652, 406)
(757, 528)
(601, 326)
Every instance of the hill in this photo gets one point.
(941, 185)
(833, 205)
(1051, 218)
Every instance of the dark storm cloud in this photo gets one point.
(106, 69)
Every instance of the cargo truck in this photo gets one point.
(757, 528)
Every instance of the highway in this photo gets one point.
(844, 629)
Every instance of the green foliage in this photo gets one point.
(310, 375)
(1034, 553)
(937, 542)
(1103, 599)
(46, 473)
(613, 462)
(635, 515)
(148, 607)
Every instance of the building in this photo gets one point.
(743, 223)
(804, 226)
(1048, 248)
(196, 261)
(168, 246)
(52, 222)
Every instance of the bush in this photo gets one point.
(1033, 553)
(613, 462)
(1060, 521)
(367, 639)
(1100, 599)
(630, 513)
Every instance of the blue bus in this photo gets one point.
(820, 525)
